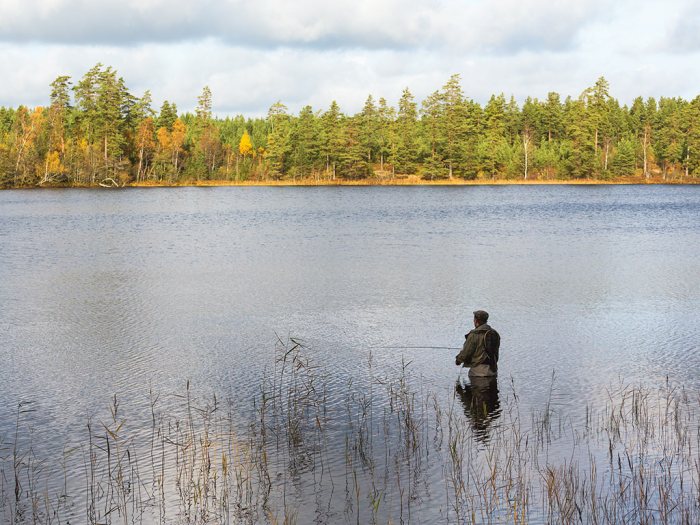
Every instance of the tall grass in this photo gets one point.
(384, 451)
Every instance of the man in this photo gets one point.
(480, 350)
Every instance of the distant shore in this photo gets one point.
(398, 181)
(416, 181)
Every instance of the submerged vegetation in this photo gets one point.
(383, 452)
(97, 133)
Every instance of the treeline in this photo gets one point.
(97, 132)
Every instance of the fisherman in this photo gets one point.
(480, 350)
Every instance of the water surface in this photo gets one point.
(122, 292)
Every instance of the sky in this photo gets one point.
(252, 53)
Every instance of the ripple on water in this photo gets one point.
(123, 293)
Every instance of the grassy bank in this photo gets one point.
(417, 181)
(398, 181)
(388, 451)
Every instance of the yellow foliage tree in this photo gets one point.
(177, 141)
(145, 144)
(245, 146)
(52, 167)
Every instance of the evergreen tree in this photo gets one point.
(103, 103)
(368, 122)
(58, 122)
(404, 154)
(622, 163)
(305, 143)
(494, 146)
(577, 150)
(352, 160)
(385, 136)
(330, 137)
(207, 143)
(278, 140)
(691, 125)
(167, 115)
(552, 117)
(433, 137)
(669, 136)
(453, 124)
(640, 120)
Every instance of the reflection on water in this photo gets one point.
(141, 292)
(481, 404)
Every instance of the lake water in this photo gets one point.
(126, 292)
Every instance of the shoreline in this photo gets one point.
(409, 181)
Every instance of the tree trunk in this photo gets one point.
(607, 149)
(526, 143)
(644, 150)
(526, 161)
(596, 142)
(138, 172)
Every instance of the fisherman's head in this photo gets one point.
(480, 317)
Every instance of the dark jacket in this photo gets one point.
(480, 347)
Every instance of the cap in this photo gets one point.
(481, 315)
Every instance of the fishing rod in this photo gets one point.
(459, 375)
(423, 347)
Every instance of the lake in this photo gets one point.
(167, 293)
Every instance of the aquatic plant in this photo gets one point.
(382, 451)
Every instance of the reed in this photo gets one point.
(379, 450)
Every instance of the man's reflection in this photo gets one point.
(481, 404)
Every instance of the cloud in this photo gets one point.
(254, 53)
(472, 25)
(684, 34)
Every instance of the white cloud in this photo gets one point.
(500, 25)
(308, 52)
(684, 33)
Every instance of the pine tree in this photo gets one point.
(577, 150)
(368, 121)
(167, 115)
(640, 119)
(278, 140)
(207, 143)
(433, 137)
(454, 123)
(691, 121)
(104, 105)
(668, 146)
(305, 143)
(622, 163)
(552, 118)
(494, 146)
(352, 160)
(386, 115)
(331, 140)
(57, 129)
(404, 154)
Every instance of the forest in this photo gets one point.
(96, 132)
